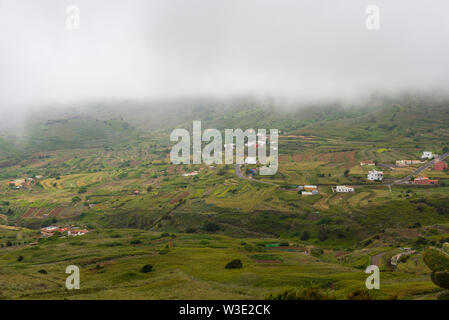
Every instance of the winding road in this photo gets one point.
(406, 179)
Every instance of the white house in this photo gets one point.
(375, 175)
(427, 155)
(193, 173)
(309, 193)
(344, 189)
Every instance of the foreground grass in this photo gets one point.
(193, 269)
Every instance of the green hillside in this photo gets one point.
(109, 172)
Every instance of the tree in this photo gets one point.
(362, 294)
(146, 268)
(211, 227)
(76, 199)
(234, 264)
(346, 173)
(305, 236)
(322, 234)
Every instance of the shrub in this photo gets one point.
(190, 230)
(146, 268)
(305, 236)
(306, 294)
(82, 190)
(211, 227)
(42, 271)
(19, 258)
(362, 294)
(234, 264)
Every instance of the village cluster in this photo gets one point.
(70, 231)
(375, 175)
(23, 183)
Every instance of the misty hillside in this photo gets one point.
(76, 132)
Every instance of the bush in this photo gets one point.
(146, 268)
(306, 294)
(211, 227)
(19, 258)
(190, 230)
(362, 294)
(42, 271)
(234, 264)
(305, 236)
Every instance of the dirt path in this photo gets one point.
(376, 258)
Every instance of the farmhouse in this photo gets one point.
(193, 173)
(367, 163)
(21, 183)
(427, 155)
(309, 193)
(310, 188)
(344, 189)
(71, 231)
(18, 183)
(440, 166)
(77, 232)
(375, 175)
(425, 181)
(407, 162)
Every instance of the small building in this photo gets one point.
(193, 173)
(440, 166)
(74, 232)
(427, 155)
(309, 193)
(70, 231)
(344, 189)
(367, 163)
(407, 162)
(310, 188)
(425, 181)
(375, 175)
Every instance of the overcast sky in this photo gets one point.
(304, 49)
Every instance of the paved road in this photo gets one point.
(420, 169)
(376, 258)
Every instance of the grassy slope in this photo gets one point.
(193, 269)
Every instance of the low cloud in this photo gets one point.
(140, 49)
